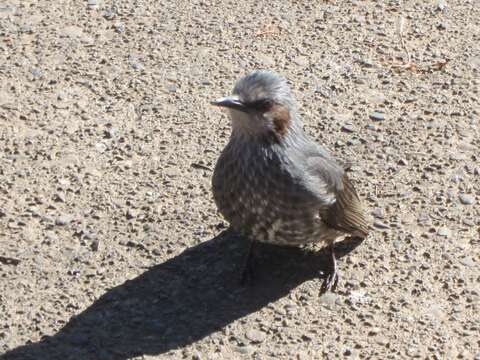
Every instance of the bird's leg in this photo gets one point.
(248, 267)
(331, 279)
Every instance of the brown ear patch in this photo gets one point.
(281, 119)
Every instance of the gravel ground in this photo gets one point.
(110, 243)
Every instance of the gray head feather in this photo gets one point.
(264, 84)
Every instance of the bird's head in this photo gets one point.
(261, 105)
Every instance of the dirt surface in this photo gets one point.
(110, 243)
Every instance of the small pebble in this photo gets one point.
(26, 29)
(110, 133)
(423, 217)
(306, 338)
(377, 116)
(63, 220)
(435, 311)
(255, 336)
(352, 142)
(131, 214)
(101, 147)
(35, 72)
(328, 299)
(366, 63)
(348, 128)
(90, 234)
(457, 157)
(382, 340)
(119, 27)
(455, 178)
(443, 231)
(59, 197)
(380, 225)
(468, 261)
(466, 199)
(442, 26)
(397, 244)
(196, 356)
(301, 61)
(441, 6)
(248, 349)
(109, 14)
(359, 296)
(135, 65)
(95, 245)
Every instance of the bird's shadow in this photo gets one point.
(178, 302)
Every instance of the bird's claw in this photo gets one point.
(330, 282)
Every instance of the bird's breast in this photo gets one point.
(259, 194)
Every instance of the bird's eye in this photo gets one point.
(263, 105)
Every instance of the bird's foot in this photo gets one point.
(330, 281)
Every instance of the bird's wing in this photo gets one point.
(345, 211)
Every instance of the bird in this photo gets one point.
(274, 184)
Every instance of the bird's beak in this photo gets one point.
(231, 102)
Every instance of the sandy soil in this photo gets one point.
(110, 243)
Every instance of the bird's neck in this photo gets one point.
(267, 137)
